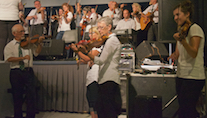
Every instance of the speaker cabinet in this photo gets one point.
(52, 47)
(141, 92)
(146, 107)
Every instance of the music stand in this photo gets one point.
(51, 50)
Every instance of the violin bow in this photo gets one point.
(56, 12)
(96, 8)
(76, 5)
(68, 1)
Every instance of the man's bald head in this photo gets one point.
(18, 32)
(16, 27)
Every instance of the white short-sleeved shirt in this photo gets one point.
(63, 25)
(92, 74)
(117, 15)
(39, 19)
(109, 60)
(129, 24)
(12, 50)
(188, 67)
(9, 10)
(151, 9)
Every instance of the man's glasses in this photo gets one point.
(21, 31)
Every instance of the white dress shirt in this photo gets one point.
(39, 19)
(117, 15)
(109, 60)
(12, 50)
(129, 24)
(151, 9)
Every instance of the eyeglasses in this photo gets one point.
(91, 33)
(101, 27)
(21, 31)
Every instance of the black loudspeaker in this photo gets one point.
(52, 48)
(146, 93)
(146, 107)
(153, 50)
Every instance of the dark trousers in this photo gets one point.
(5, 34)
(54, 29)
(92, 94)
(37, 29)
(188, 91)
(23, 82)
(109, 101)
(152, 34)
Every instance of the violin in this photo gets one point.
(56, 17)
(94, 43)
(136, 14)
(39, 10)
(79, 43)
(183, 30)
(85, 23)
(32, 40)
(89, 44)
(66, 14)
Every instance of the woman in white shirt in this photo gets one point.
(190, 67)
(65, 20)
(141, 34)
(136, 15)
(92, 74)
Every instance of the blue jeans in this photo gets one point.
(60, 35)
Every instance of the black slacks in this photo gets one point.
(188, 91)
(23, 82)
(109, 101)
(92, 95)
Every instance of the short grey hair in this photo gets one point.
(15, 28)
(87, 8)
(106, 20)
